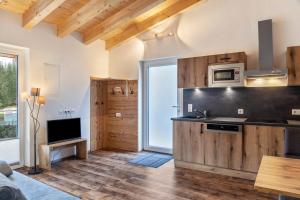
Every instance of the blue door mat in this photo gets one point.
(154, 160)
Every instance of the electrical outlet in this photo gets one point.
(66, 111)
(118, 114)
(190, 107)
(240, 111)
(295, 111)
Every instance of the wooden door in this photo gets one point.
(192, 72)
(188, 142)
(223, 150)
(259, 141)
(239, 57)
(97, 116)
(293, 64)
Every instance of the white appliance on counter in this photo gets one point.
(227, 75)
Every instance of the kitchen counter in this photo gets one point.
(288, 123)
(228, 150)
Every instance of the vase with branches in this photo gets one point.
(34, 102)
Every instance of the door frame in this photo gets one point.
(144, 67)
(23, 124)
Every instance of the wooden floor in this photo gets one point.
(107, 175)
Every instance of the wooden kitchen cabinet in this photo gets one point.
(293, 64)
(188, 141)
(192, 72)
(259, 141)
(239, 57)
(223, 150)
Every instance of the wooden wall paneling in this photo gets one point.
(122, 132)
(98, 101)
(259, 141)
(102, 106)
(192, 72)
(293, 64)
(107, 130)
(94, 115)
(223, 150)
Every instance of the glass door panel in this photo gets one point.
(161, 105)
(9, 138)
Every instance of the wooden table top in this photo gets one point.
(279, 175)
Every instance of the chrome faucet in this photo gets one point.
(200, 114)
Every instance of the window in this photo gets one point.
(9, 134)
(8, 97)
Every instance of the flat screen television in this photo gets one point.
(64, 129)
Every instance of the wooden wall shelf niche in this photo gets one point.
(109, 131)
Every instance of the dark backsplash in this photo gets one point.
(261, 103)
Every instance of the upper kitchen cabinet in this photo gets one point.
(192, 72)
(239, 57)
(293, 64)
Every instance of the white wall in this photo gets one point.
(123, 61)
(78, 62)
(212, 27)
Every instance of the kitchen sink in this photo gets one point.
(193, 117)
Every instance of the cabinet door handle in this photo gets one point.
(293, 65)
(201, 129)
(226, 58)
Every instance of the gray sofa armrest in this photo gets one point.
(8, 190)
(5, 168)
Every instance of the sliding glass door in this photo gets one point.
(9, 137)
(160, 85)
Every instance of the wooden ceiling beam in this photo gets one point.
(123, 17)
(136, 28)
(88, 12)
(39, 11)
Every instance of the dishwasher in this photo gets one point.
(223, 128)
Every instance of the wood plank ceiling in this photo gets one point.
(113, 21)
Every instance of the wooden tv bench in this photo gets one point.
(45, 151)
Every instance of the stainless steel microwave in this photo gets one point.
(227, 75)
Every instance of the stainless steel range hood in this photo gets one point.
(266, 67)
